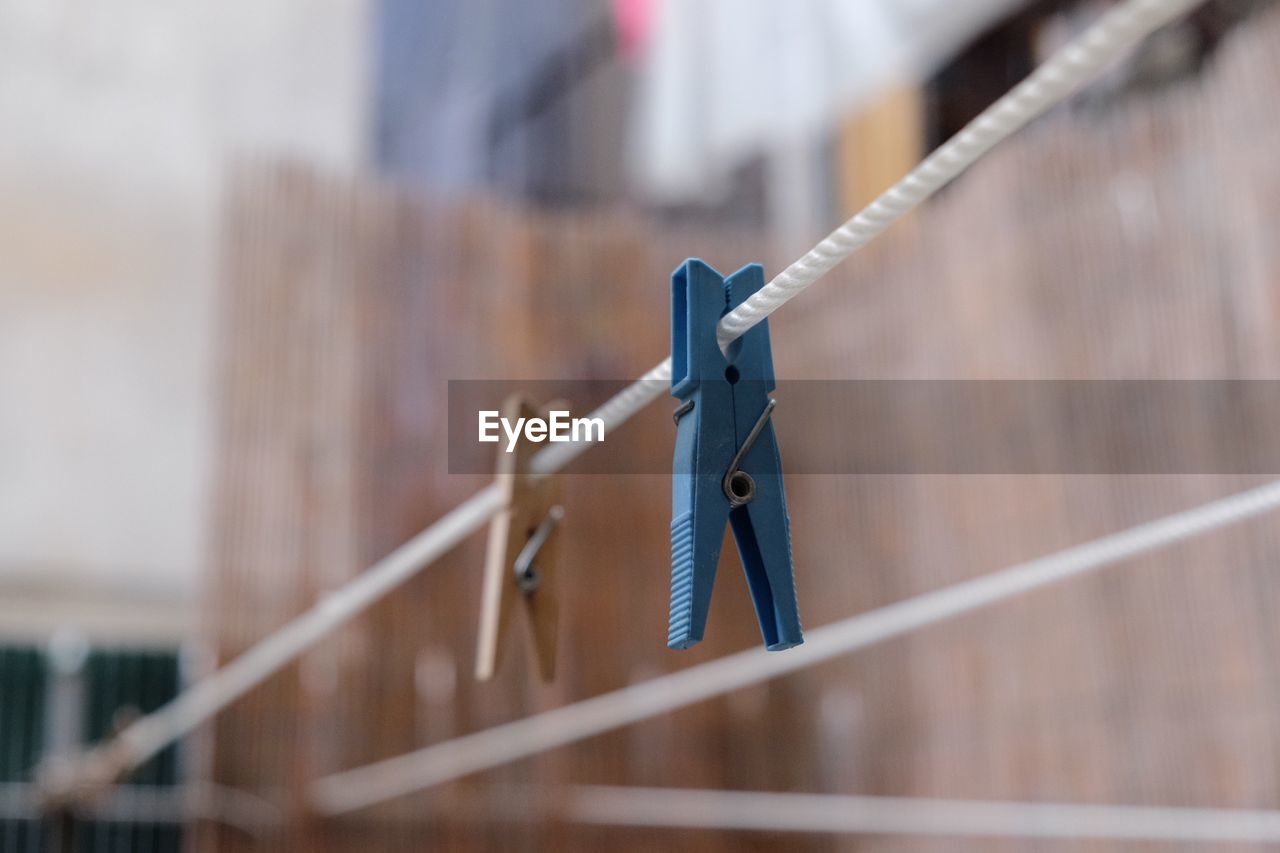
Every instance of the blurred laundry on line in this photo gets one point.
(720, 81)
(473, 95)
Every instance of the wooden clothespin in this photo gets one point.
(520, 565)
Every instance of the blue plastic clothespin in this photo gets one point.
(727, 466)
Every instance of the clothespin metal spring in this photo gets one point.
(738, 486)
(526, 570)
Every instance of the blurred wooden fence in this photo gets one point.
(1136, 243)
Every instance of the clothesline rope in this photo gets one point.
(361, 787)
(149, 734)
(790, 812)
(1113, 34)
(767, 811)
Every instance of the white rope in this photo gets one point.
(615, 412)
(1114, 33)
(365, 786)
(147, 735)
(1109, 38)
(744, 810)
(231, 807)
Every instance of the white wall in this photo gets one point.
(117, 123)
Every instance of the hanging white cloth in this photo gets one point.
(722, 79)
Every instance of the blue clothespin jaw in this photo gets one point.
(727, 467)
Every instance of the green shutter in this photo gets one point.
(114, 680)
(22, 697)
